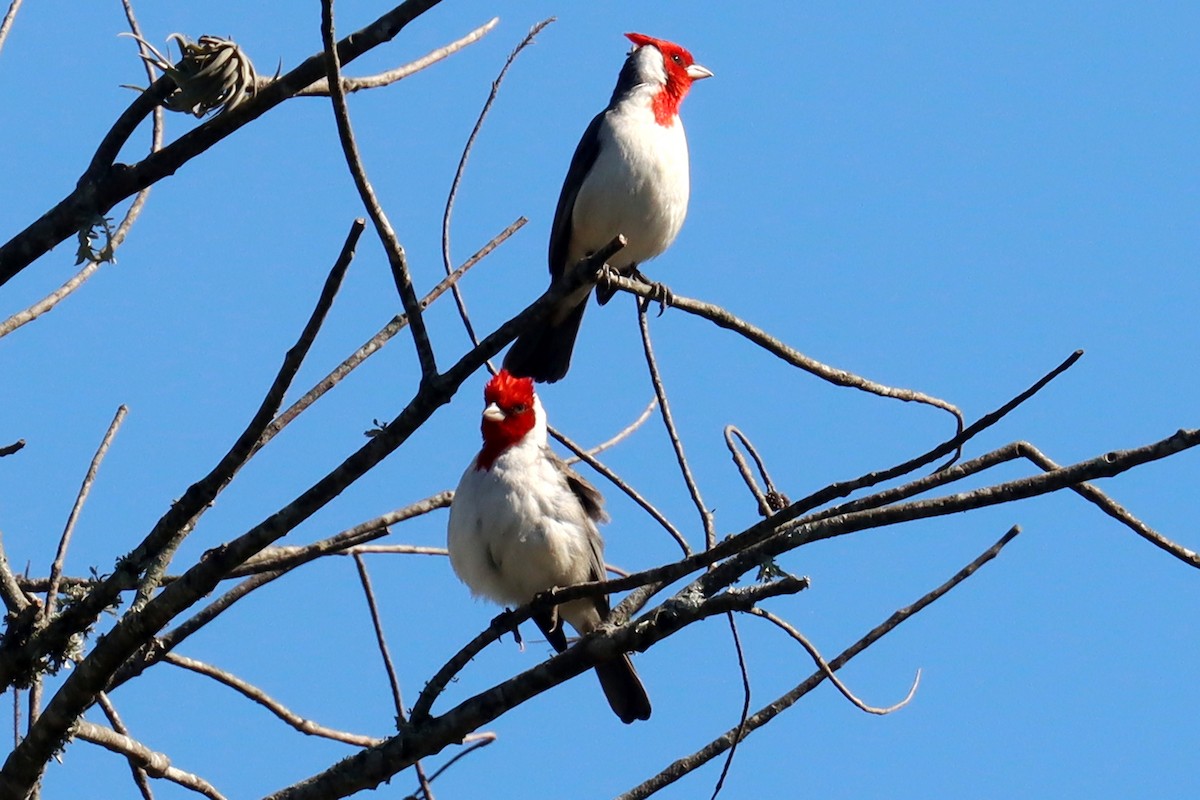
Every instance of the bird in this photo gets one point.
(522, 522)
(629, 176)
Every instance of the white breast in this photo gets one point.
(517, 529)
(638, 186)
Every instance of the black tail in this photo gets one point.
(624, 689)
(544, 353)
(619, 680)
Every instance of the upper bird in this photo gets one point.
(522, 522)
(629, 176)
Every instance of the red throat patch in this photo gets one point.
(514, 397)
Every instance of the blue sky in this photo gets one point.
(950, 197)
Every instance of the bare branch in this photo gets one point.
(396, 549)
(377, 623)
(373, 345)
(462, 166)
(135, 209)
(250, 442)
(424, 734)
(683, 766)
(773, 500)
(706, 517)
(9, 449)
(840, 377)
(156, 764)
(737, 644)
(1117, 511)
(85, 488)
(256, 695)
(351, 85)
(844, 488)
(15, 599)
(822, 665)
(6, 23)
(621, 435)
(101, 186)
(269, 564)
(383, 228)
(620, 483)
(397, 700)
(140, 778)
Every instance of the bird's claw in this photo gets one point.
(604, 278)
(504, 620)
(659, 293)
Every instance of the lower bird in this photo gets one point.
(523, 522)
(629, 176)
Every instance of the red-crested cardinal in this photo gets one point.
(522, 522)
(629, 175)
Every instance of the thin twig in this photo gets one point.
(620, 483)
(737, 645)
(397, 259)
(462, 166)
(148, 558)
(398, 702)
(660, 391)
(351, 85)
(622, 435)
(822, 665)
(135, 209)
(724, 319)
(481, 740)
(140, 778)
(771, 537)
(85, 488)
(9, 449)
(251, 440)
(7, 22)
(101, 187)
(772, 500)
(1117, 511)
(845, 488)
(256, 695)
(396, 549)
(272, 566)
(687, 764)
(156, 764)
(426, 735)
(34, 703)
(373, 607)
(15, 599)
(373, 345)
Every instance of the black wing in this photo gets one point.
(589, 496)
(581, 164)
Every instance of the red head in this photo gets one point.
(681, 70)
(509, 415)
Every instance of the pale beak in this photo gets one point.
(697, 72)
(493, 413)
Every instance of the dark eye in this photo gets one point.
(519, 408)
(678, 59)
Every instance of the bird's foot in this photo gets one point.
(659, 292)
(604, 278)
(544, 599)
(504, 620)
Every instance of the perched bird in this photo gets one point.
(629, 176)
(523, 522)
